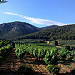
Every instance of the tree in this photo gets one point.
(3, 1)
(56, 43)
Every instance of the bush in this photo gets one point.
(25, 70)
(54, 69)
(73, 52)
(51, 57)
(69, 57)
(56, 43)
(63, 52)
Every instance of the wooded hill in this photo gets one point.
(66, 32)
(14, 29)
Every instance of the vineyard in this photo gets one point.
(37, 37)
(37, 57)
(5, 47)
(51, 56)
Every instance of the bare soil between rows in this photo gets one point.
(12, 63)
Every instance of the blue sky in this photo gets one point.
(38, 12)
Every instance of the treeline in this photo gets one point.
(66, 32)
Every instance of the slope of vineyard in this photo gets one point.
(38, 56)
(40, 52)
(5, 47)
(10, 64)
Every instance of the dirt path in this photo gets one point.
(59, 46)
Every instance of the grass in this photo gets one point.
(64, 42)
(29, 40)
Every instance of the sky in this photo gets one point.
(39, 13)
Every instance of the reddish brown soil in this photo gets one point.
(38, 66)
(12, 64)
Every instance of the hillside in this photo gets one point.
(13, 29)
(47, 27)
(66, 32)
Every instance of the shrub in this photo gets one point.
(51, 56)
(53, 69)
(73, 52)
(69, 57)
(41, 53)
(63, 52)
(35, 52)
(56, 43)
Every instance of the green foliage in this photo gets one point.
(5, 49)
(69, 57)
(48, 53)
(4, 42)
(66, 32)
(41, 53)
(20, 51)
(51, 56)
(53, 69)
(73, 52)
(22, 28)
(63, 52)
(38, 51)
(35, 52)
(67, 53)
(32, 49)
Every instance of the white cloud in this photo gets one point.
(10, 13)
(36, 20)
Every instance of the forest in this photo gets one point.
(66, 32)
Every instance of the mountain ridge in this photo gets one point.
(47, 27)
(17, 28)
